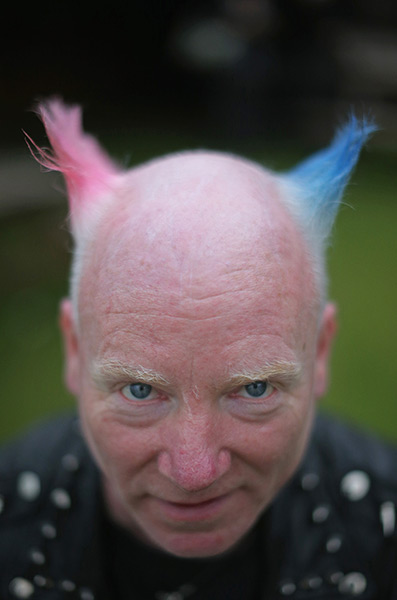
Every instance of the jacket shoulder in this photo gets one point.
(346, 447)
(29, 465)
(35, 447)
(48, 497)
(334, 526)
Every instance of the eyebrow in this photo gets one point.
(107, 372)
(285, 371)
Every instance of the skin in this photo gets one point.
(198, 284)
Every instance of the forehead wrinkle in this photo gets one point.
(186, 311)
(127, 292)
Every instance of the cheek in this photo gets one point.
(117, 448)
(280, 443)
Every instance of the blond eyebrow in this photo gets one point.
(284, 371)
(106, 372)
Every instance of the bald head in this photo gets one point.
(189, 209)
(189, 227)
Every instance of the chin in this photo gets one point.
(197, 544)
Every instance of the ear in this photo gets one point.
(71, 347)
(326, 334)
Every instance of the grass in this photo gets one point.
(34, 260)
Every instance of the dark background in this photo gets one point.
(242, 67)
(269, 79)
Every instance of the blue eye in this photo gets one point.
(256, 389)
(137, 391)
(140, 390)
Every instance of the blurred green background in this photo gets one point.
(35, 253)
(269, 79)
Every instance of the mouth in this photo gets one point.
(192, 511)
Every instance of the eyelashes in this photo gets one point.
(140, 392)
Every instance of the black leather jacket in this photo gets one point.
(330, 534)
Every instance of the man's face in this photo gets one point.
(196, 366)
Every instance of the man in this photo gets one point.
(197, 337)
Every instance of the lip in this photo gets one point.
(194, 511)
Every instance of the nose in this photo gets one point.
(192, 456)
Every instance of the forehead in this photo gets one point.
(196, 237)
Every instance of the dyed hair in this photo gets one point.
(312, 191)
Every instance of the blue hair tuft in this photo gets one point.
(321, 179)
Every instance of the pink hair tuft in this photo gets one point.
(86, 167)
